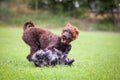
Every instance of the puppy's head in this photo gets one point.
(39, 58)
(38, 55)
(69, 33)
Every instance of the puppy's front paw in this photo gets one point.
(29, 58)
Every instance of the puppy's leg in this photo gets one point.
(33, 49)
(69, 61)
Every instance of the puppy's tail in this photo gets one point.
(27, 25)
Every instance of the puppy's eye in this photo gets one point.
(69, 40)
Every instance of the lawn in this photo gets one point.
(96, 54)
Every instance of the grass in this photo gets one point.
(97, 56)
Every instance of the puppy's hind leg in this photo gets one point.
(33, 49)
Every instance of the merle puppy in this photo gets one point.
(50, 58)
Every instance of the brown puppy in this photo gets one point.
(39, 38)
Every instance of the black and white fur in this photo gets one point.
(49, 57)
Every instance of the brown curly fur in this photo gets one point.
(73, 29)
(38, 38)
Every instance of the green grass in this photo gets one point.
(97, 56)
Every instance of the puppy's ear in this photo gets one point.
(76, 32)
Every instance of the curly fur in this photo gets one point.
(74, 30)
(39, 38)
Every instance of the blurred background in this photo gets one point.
(85, 14)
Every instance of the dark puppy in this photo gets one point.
(38, 38)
